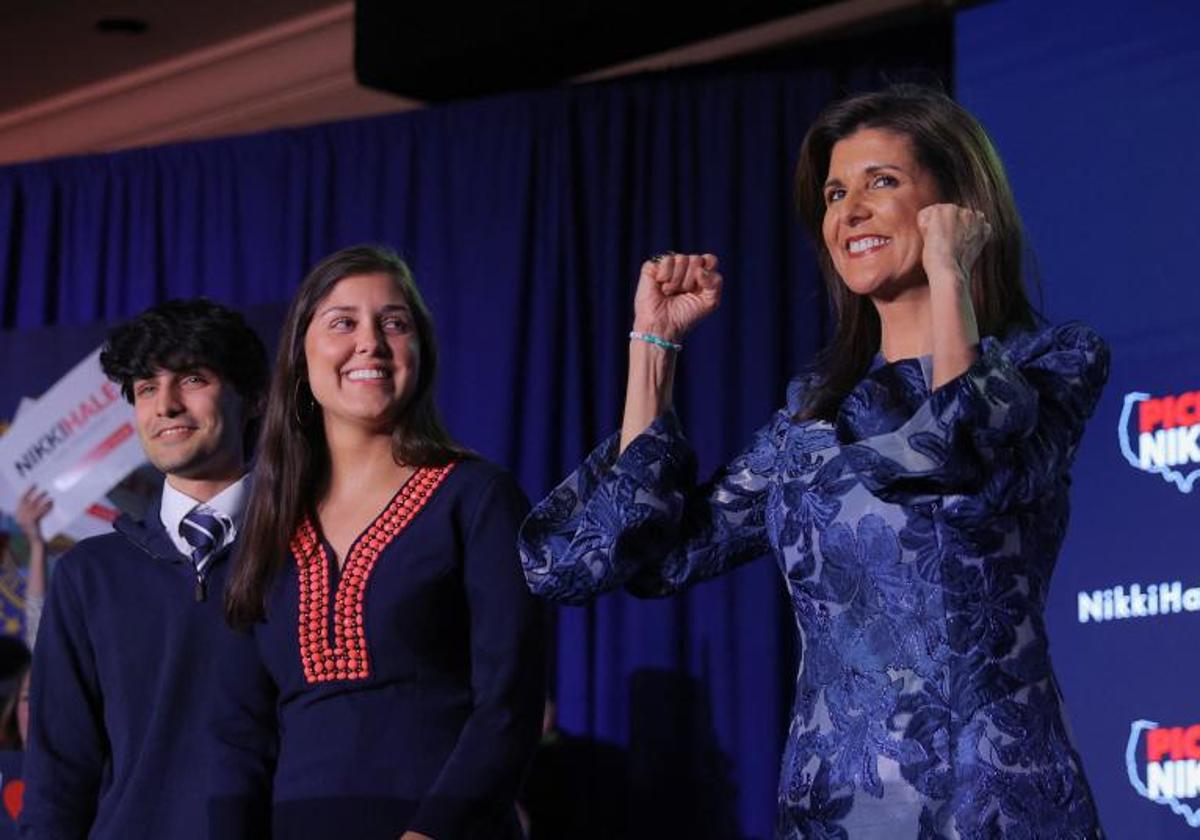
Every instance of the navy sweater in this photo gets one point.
(121, 682)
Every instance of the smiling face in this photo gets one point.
(362, 352)
(190, 423)
(873, 192)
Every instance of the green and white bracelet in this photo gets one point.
(657, 341)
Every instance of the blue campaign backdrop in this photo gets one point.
(1092, 105)
(525, 218)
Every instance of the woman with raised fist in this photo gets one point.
(914, 491)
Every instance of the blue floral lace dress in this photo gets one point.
(916, 535)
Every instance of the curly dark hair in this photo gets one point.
(183, 334)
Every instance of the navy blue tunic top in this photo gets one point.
(403, 692)
(916, 536)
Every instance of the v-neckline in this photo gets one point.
(337, 649)
(339, 564)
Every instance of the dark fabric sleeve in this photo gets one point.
(998, 435)
(478, 784)
(243, 742)
(68, 750)
(641, 521)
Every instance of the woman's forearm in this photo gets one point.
(675, 292)
(649, 390)
(955, 332)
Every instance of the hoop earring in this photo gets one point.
(303, 418)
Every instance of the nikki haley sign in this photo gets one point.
(76, 442)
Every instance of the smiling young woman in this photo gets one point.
(363, 354)
(913, 491)
(389, 679)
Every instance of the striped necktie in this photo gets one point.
(204, 530)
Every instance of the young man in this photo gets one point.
(123, 661)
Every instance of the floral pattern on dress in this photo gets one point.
(916, 535)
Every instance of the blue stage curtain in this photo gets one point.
(525, 218)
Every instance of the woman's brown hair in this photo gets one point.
(953, 147)
(292, 466)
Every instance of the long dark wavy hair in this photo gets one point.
(953, 147)
(292, 468)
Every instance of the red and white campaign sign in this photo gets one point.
(1163, 763)
(1161, 434)
(76, 442)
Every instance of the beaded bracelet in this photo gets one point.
(657, 341)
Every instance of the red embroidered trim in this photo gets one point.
(347, 659)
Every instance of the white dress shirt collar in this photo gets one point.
(230, 503)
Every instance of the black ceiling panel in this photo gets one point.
(444, 50)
